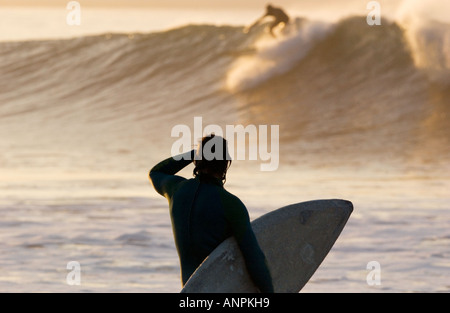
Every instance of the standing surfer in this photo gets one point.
(204, 214)
(281, 18)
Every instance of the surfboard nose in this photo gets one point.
(345, 205)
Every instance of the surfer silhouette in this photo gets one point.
(280, 18)
(204, 214)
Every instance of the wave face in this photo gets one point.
(344, 91)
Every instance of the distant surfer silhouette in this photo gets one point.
(204, 214)
(281, 18)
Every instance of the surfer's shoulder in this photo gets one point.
(230, 201)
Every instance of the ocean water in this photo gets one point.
(363, 115)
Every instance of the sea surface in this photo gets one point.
(363, 115)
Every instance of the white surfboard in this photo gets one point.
(295, 240)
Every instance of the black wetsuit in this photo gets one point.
(280, 15)
(203, 215)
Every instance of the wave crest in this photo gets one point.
(272, 57)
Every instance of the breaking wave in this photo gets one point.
(344, 88)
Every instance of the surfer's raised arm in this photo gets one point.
(163, 177)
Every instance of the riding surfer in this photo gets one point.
(281, 18)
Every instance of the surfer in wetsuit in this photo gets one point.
(204, 214)
(280, 18)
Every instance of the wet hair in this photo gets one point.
(212, 159)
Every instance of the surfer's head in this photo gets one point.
(269, 7)
(212, 159)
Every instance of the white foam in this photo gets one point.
(275, 56)
(428, 32)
